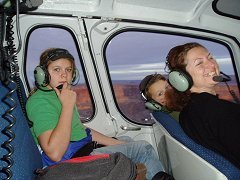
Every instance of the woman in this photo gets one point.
(153, 88)
(57, 128)
(210, 121)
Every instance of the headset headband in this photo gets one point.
(41, 74)
(57, 54)
(144, 83)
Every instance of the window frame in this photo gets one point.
(193, 35)
(80, 62)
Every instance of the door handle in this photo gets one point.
(125, 128)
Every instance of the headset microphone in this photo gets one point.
(225, 79)
(220, 78)
(60, 86)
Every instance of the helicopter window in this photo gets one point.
(45, 37)
(228, 8)
(132, 55)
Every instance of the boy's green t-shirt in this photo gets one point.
(44, 109)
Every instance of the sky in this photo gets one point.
(147, 53)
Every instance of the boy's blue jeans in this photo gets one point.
(139, 152)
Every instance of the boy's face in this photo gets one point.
(157, 91)
(60, 71)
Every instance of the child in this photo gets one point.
(153, 88)
(57, 128)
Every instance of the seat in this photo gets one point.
(24, 159)
(185, 155)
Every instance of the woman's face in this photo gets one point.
(60, 71)
(157, 91)
(202, 67)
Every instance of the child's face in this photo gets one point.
(60, 71)
(157, 91)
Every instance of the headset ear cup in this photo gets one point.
(152, 105)
(41, 76)
(180, 81)
(75, 76)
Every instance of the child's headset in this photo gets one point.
(41, 75)
(181, 81)
(149, 104)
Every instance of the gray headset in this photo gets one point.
(153, 105)
(149, 104)
(181, 81)
(41, 75)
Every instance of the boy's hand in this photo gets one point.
(66, 95)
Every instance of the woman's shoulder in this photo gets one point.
(196, 107)
(204, 96)
(197, 102)
(208, 101)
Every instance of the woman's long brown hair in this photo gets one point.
(176, 61)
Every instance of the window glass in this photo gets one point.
(228, 8)
(133, 55)
(47, 37)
